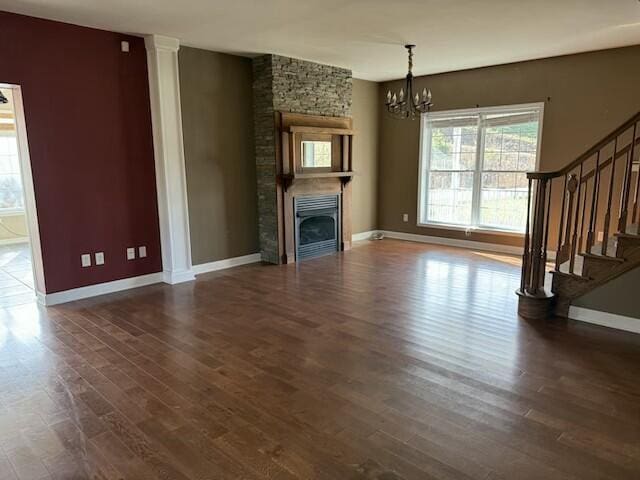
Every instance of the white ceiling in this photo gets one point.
(366, 35)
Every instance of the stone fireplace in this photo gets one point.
(302, 109)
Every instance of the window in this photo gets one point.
(473, 166)
(11, 196)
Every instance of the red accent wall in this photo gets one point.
(90, 139)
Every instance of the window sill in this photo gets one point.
(459, 228)
(9, 212)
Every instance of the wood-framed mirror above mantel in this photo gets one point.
(314, 157)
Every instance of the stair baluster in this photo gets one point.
(591, 235)
(571, 188)
(583, 216)
(561, 229)
(574, 238)
(545, 247)
(628, 173)
(607, 216)
(634, 217)
(525, 254)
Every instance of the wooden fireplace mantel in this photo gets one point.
(288, 179)
(295, 180)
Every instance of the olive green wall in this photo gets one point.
(217, 119)
(617, 296)
(365, 155)
(585, 95)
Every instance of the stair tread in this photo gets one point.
(600, 256)
(596, 253)
(611, 249)
(571, 275)
(632, 231)
(577, 267)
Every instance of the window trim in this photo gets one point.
(11, 212)
(423, 174)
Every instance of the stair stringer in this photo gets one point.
(568, 287)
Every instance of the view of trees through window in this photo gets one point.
(11, 196)
(474, 167)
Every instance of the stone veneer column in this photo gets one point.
(282, 84)
(265, 146)
(166, 115)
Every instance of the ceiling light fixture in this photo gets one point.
(405, 104)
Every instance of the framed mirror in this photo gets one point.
(316, 153)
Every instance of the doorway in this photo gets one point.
(21, 276)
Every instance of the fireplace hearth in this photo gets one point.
(317, 225)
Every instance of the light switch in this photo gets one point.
(99, 258)
(142, 251)
(405, 217)
(86, 259)
(131, 253)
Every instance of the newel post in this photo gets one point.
(534, 302)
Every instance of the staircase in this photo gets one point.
(589, 211)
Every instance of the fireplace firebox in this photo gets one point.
(317, 220)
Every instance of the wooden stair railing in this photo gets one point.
(583, 205)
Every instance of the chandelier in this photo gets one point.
(405, 104)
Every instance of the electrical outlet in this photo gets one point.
(85, 259)
(124, 46)
(142, 251)
(405, 217)
(131, 253)
(99, 258)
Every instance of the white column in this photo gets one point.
(171, 183)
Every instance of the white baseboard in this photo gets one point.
(13, 241)
(143, 280)
(359, 237)
(57, 298)
(454, 242)
(175, 277)
(605, 319)
(226, 263)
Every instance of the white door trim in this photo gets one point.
(31, 213)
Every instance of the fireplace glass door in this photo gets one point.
(317, 225)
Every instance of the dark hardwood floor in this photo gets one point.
(393, 361)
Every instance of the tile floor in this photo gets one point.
(16, 276)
